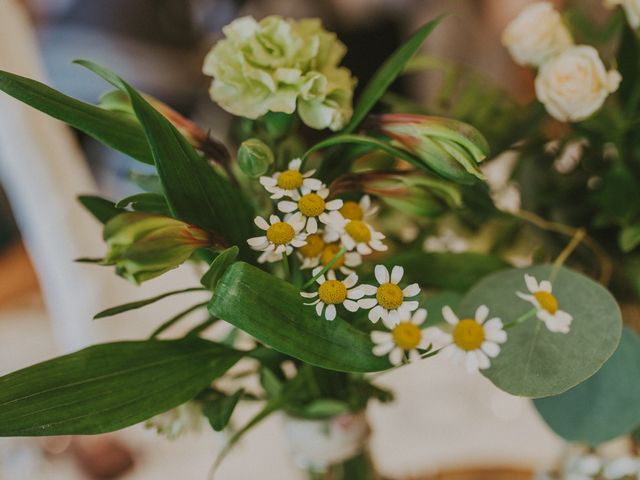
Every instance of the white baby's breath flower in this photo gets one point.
(280, 238)
(574, 84)
(389, 301)
(317, 252)
(289, 182)
(353, 234)
(541, 297)
(446, 241)
(536, 34)
(631, 9)
(473, 340)
(310, 206)
(332, 292)
(405, 339)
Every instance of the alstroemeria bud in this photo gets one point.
(451, 148)
(254, 157)
(412, 193)
(143, 246)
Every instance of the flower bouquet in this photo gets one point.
(348, 254)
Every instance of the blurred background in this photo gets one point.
(443, 424)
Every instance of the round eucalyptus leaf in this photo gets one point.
(535, 362)
(605, 406)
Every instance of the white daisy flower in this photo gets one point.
(473, 340)
(353, 234)
(317, 252)
(332, 292)
(280, 238)
(546, 303)
(311, 206)
(287, 183)
(403, 340)
(389, 301)
(358, 210)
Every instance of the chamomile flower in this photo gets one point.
(353, 234)
(389, 302)
(317, 252)
(546, 303)
(358, 210)
(403, 340)
(311, 206)
(473, 340)
(287, 183)
(280, 238)
(332, 292)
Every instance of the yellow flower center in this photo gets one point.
(314, 246)
(389, 296)
(358, 230)
(351, 211)
(332, 292)
(311, 205)
(280, 233)
(406, 335)
(547, 301)
(468, 334)
(290, 179)
(328, 253)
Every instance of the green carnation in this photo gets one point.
(279, 65)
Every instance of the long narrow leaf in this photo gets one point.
(101, 208)
(111, 128)
(108, 387)
(142, 303)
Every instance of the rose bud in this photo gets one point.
(451, 148)
(254, 157)
(143, 246)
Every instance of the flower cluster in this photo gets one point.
(572, 81)
(279, 65)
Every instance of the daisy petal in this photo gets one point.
(545, 286)
(378, 337)
(412, 290)
(396, 356)
(351, 280)
(382, 274)
(261, 223)
(368, 289)
(285, 206)
(482, 312)
(375, 313)
(483, 360)
(350, 305)
(368, 303)
(449, 316)
(334, 205)
(531, 282)
(330, 312)
(497, 336)
(471, 362)
(309, 294)
(396, 274)
(319, 308)
(419, 317)
(490, 348)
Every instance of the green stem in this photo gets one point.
(520, 319)
(326, 267)
(285, 262)
(568, 250)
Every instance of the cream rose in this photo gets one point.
(631, 9)
(536, 34)
(278, 65)
(575, 84)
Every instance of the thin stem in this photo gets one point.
(568, 250)
(173, 320)
(604, 261)
(326, 267)
(520, 319)
(285, 262)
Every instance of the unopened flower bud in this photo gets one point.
(451, 148)
(143, 246)
(254, 157)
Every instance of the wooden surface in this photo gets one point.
(481, 474)
(18, 279)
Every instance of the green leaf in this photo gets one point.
(218, 266)
(446, 270)
(364, 140)
(141, 303)
(114, 129)
(629, 238)
(195, 192)
(270, 382)
(146, 202)
(218, 410)
(603, 407)
(272, 311)
(535, 362)
(325, 407)
(108, 387)
(101, 208)
(387, 73)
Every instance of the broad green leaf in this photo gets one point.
(272, 311)
(114, 129)
(146, 181)
(535, 362)
(108, 387)
(145, 202)
(218, 266)
(142, 303)
(101, 208)
(629, 238)
(218, 410)
(195, 192)
(446, 270)
(603, 407)
(387, 73)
